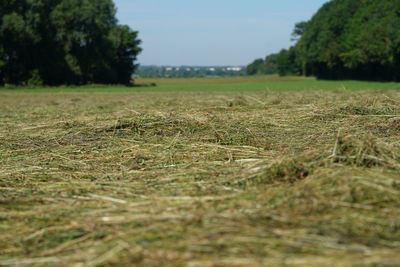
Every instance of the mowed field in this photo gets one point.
(201, 172)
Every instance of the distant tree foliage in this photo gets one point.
(298, 31)
(264, 66)
(347, 39)
(153, 71)
(287, 62)
(64, 42)
(353, 39)
(257, 67)
(271, 64)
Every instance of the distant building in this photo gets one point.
(189, 71)
(234, 68)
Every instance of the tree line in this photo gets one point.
(345, 39)
(57, 42)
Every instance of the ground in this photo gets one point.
(242, 178)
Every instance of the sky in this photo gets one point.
(212, 32)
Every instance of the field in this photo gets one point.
(205, 172)
(217, 84)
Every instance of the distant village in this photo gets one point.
(189, 71)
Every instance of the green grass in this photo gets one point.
(239, 84)
(250, 178)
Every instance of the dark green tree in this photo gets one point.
(256, 67)
(284, 63)
(352, 40)
(347, 39)
(271, 64)
(298, 31)
(127, 48)
(1, 60)
(287, 63)
(65, 41)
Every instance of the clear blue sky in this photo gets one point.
(212, 32)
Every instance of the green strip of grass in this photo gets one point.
(217, 85)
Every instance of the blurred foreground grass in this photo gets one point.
(306, 178)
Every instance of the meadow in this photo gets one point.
(217, 84)
(201, 172)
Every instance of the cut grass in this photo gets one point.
(200, 179)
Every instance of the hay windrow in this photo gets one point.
(368, 110)
(365, 151)
(285, 170)
(199, 179)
